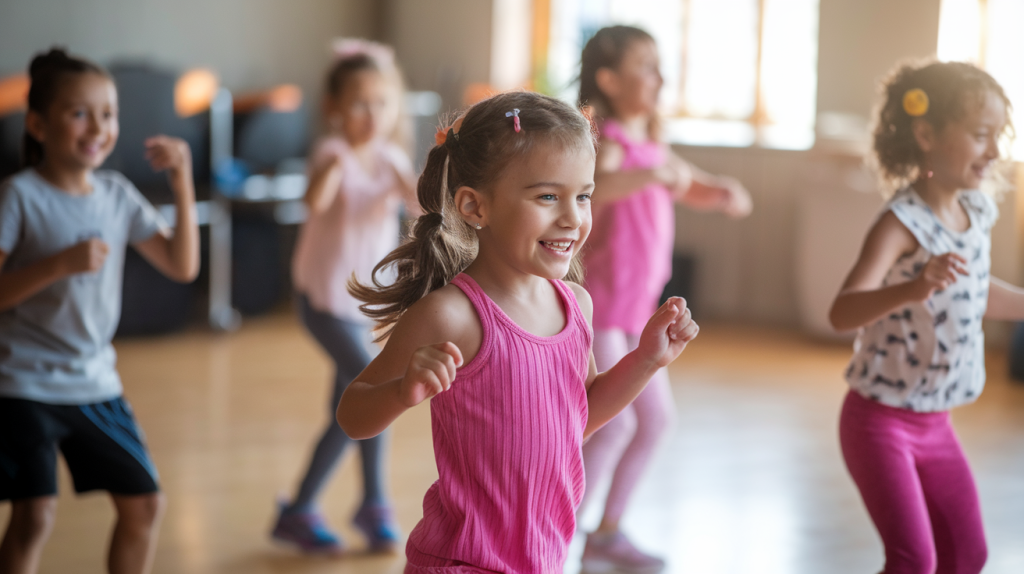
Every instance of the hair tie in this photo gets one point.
(514, 114)
(915, 102)
(442, 137)
(349, 47)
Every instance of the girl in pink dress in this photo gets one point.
(359, 181)
(629, 261)
(481, 323)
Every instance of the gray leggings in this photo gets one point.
(348, 344)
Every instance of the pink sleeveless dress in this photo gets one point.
(628, 257)
(507, 442)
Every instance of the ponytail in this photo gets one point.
(439, 247)
(46, 71)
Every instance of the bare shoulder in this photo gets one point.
(890, 234)
(583, 298)
(445, 314)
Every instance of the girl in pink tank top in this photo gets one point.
(629, 261)
(481, 323)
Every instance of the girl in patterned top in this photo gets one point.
(918, 293)
(482, 324)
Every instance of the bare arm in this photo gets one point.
(17, 286)
(418, 362)
(664, 337)
(177, 255)
(323, 186)
(707, 192)
(1005, 301)
(611, 182)
(862, 299)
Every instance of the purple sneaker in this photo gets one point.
(614, 552)
(306, 530)
(377, 523)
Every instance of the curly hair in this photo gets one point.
(950, 88)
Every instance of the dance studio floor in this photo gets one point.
(749, 482)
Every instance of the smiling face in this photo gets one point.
(365, 109)
(961, 153)
(636, 82)
(79, 129)
(536, 216)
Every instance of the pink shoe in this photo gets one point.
(615, 553)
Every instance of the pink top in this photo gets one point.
(356, 230)
(507, 442)
(628, 257)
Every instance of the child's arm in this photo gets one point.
(324, 185)
(1005, 301)
(403, 170)
(418, 362)
(862, 299)
(176, 256)
(709, 192)
(665, 336)
(611, 182)
(16, 286)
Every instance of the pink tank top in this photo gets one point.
(507, 442)
(628, 257)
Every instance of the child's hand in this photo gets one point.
(737, 202)
(172, 154)
(431, 371)
(85, 257)
(667, 332)
(938, 274)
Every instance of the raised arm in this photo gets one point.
(611, 182)
(862, 299)
(175, 255)
(707, 192)
(435, 336)
(665, 336)
(324, 183)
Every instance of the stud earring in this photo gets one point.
(478, 226)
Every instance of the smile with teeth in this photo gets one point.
(559, 246)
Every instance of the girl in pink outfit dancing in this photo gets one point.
(482, 324)
(629, 261)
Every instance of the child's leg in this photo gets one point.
(603, 450)
(30, 525)
(878, 447)
(953, 506)
(133, 543)
(345, 342)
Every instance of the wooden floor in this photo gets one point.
(750, 481)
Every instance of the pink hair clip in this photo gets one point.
(514, 114)
(348, 47)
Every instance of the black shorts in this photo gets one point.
(101, 442)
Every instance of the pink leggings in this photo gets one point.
(916, 485)
(623, 447)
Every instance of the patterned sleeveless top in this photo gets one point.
(930, 356)
(507, 443)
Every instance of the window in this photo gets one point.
(987, 33)
(737, 72)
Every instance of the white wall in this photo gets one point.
(252, 44)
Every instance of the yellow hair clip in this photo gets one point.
(915, 102)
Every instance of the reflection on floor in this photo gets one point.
(750, 481)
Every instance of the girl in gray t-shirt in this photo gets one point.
(64, 228)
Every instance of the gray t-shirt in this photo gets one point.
(55, 346)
